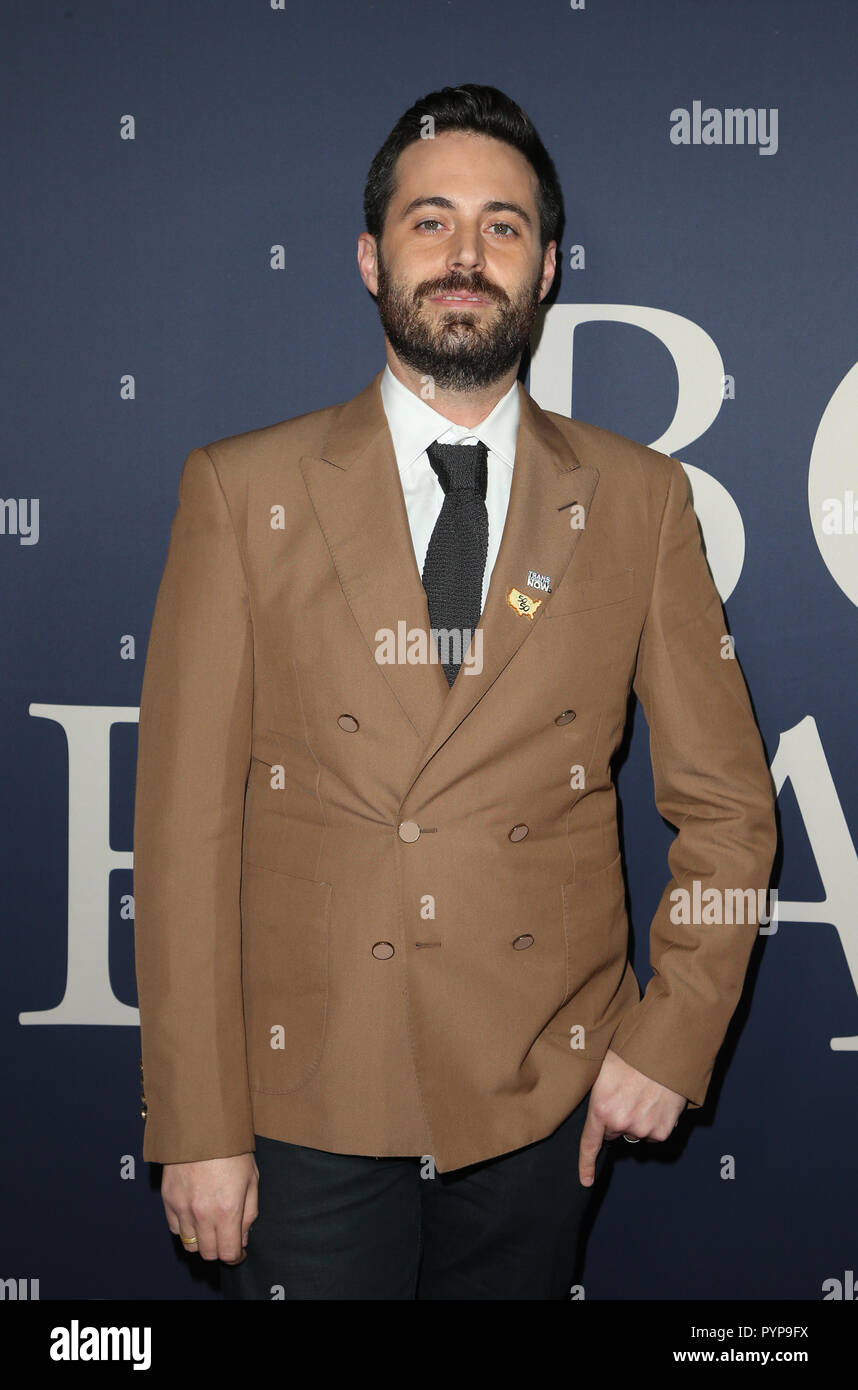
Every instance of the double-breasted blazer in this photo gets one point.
(376, 914)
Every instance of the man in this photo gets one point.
(388, 1018)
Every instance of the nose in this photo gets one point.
(465, 251)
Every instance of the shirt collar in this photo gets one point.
(414, 424)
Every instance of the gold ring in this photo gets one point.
(188, 1240)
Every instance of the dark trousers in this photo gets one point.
(340, 1226)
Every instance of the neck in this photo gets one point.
(461, 407)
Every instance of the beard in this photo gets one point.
(461, 349)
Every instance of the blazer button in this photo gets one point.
(382, 950)
(409, 831)
(349, 723)
(518, 832)
(521, 943)
(566, 717)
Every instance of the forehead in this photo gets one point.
(464, 165)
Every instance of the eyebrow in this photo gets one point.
(493, 206)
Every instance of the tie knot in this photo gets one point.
(460, 467)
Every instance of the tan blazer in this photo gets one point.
(377, 915)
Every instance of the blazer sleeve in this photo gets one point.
(712, 782)
(192, 766)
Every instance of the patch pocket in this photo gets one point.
(576, 596)
(285, 935)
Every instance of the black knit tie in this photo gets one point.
(456, 558)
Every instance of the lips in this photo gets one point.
(459, 298)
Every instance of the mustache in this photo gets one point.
(477, 284)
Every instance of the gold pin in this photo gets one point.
(523, 603)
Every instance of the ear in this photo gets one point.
(367, 259)
(549, 267)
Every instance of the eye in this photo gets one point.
(429, 219)
(510, 229)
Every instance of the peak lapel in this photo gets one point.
(357, 495)
(356, 492)
(547, 477)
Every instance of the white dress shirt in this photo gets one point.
(414, 425)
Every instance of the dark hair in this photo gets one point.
(484, 110)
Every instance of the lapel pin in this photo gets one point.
(535, 580)
(523, 603)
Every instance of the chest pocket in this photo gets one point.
(577, 596)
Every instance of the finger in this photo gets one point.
(181, 1223)
(239, 1260)
(251, 1211)
(174, 1224)
(591, 1142)
(205, 1231)
(229, 1237)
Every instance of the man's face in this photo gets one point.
(462, 222)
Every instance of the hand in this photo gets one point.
(215, 1200)
(624, 1101)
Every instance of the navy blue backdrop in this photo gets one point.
(183, 193)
